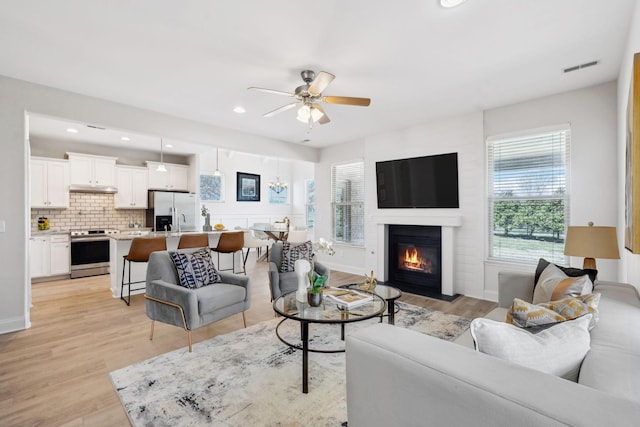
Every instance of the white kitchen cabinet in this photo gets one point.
(176, 178)
(86, 169)
(40, 256)
(60, 255)
(50, 255)
(132, 187)
(49, 183)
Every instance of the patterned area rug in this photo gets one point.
(250, 378)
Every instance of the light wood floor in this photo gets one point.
(56, 373)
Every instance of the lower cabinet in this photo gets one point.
(50, 255)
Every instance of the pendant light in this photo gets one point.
(161, 166)
(217, 172)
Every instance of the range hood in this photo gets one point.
(78, 188)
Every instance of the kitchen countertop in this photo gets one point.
(130, 235)
(50, 231)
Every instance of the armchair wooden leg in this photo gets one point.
(153, 322)
(189, 339)
(244, 319)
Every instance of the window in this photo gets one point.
(347, 199)
(310, 203)
(528, 195)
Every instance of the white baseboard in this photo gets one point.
(14, 324)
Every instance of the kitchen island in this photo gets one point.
(120, 243)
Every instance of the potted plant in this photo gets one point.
(314, 292)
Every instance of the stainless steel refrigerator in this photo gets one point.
(172, 211)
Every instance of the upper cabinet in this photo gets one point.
(92, 170)
(132, 187)
(49, 183)
(176, 178)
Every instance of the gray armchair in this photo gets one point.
(281, 283)
(168, 302)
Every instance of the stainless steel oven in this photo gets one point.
(89, 253)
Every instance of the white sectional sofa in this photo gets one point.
(400, 377)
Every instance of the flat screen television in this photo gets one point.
(419, 182)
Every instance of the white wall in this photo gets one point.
(630, 263)
(233, 213)
(18, 97)
(592, 115)
(591, 112)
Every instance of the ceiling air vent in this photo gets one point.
(96, 127)
(581, 66)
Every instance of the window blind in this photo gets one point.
(347, 197)
(528, 195)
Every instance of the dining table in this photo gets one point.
(276, 231)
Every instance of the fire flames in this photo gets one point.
(413, 261)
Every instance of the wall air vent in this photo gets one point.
(581, 66)
(95, 127)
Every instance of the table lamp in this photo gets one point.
(591, 242)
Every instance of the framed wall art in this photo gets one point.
(248, 187)
(211, 187)
(632, 164)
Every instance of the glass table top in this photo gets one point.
(328, 312)
(383, 291)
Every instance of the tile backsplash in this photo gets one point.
(88, 211)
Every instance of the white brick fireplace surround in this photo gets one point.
(447, 223)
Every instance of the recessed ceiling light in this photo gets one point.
(168, 145)
(451, 3)
(239, 110)
(72, 130)
(125, 138)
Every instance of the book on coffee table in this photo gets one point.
(347, 298)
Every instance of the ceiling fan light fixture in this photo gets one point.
(305, 111)
(451, 3)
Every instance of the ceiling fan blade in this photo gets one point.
(277, 92)
(320, 83)
(280, 109)
(324, 119)
(347, 100)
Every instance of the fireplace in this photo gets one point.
(415, 259)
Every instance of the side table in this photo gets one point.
(387, 293)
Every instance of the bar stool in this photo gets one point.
(141, 248)
(230, 243)
(193, 241)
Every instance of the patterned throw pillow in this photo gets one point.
(569, 271)
(293, 252)
(554, 285)
(558, 350)
(195, 269)
(526, 315)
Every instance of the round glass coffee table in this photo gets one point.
(389, 294)
(327, 313)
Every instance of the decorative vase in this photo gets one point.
(302, 268)
(207, 223)
(314, 299)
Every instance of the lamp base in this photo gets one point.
(589, 263)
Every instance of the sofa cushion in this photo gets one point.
(557, 350)
(569, 271)
(195, 269)
(554, 285)
(293, 252)
(527, 315)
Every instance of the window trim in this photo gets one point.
(361, 204)
(488, 211)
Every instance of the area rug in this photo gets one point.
(250, 378)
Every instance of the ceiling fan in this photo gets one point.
(309, 96)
